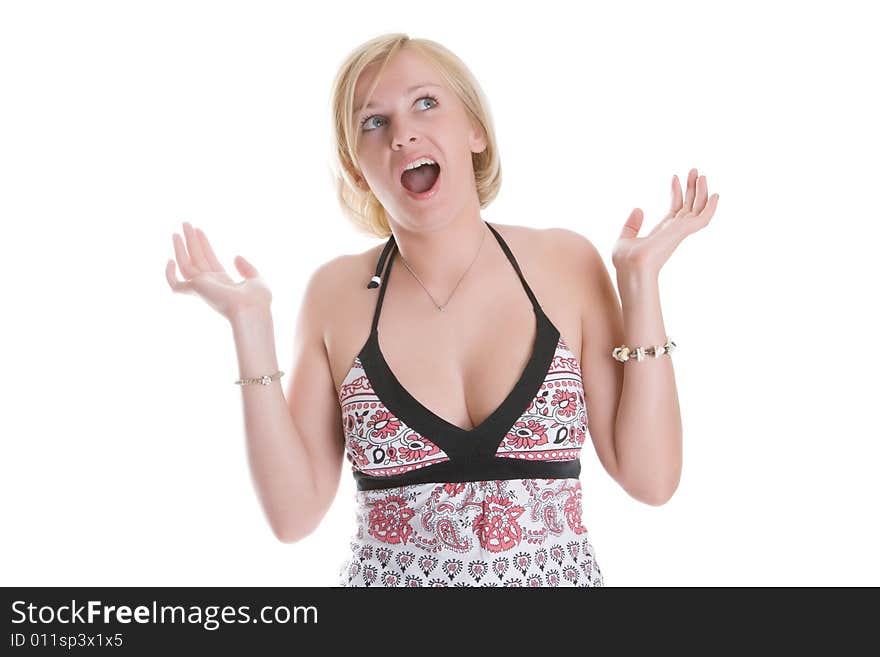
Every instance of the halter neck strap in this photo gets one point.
(388, 255)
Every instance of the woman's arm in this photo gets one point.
(632, 407)
(634, 414)
(648, 426)
(295, 447)
(647, 430)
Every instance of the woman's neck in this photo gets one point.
(440, 257)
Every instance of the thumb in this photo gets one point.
(633, 224)
(245, 268)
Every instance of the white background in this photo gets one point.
(123, 455)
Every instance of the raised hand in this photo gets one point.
(204, 275)
(646, 255)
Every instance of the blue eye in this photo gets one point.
(429, 97)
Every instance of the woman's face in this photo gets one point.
(413, 112)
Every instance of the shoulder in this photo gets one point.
(572, 244)
(566, 262)
(331, 291)
(562, 254)
(549, 241)
(575, 256)
(562, 249)
(577, 266)
(341, 272)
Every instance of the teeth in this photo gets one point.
(417, 163)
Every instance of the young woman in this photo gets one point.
(458, 384)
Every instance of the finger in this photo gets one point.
(195, 248)
(709, 210)
(210, 256)
(633, 224)
(247, 269)
(689, 195)
(183, 261)
(170, 274)
(676, 195)
(702, 193)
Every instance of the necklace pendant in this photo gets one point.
(440, 308)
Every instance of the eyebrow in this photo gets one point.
(407, 92)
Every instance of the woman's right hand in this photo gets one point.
(204, 275)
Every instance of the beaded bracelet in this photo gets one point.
(265, 380)
(624, 353)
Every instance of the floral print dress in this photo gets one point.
(497, 505)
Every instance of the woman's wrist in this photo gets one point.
(250, 317)
(254, 335)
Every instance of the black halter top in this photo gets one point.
(392, 439)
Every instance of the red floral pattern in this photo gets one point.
(554, 427)
(528, 434)
(389, 520)
(513, 532)
(496, 525)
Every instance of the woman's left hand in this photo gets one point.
(646, 255)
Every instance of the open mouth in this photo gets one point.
(422, 180)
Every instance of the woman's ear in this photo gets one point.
(478, 140)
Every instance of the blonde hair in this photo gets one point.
(360, 205)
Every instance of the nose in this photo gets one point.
(403, 135)
(398, 143)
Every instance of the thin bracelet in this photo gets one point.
(265, 380)
(624, 353)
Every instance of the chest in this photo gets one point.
(463, 363)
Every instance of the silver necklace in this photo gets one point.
(439, 307)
